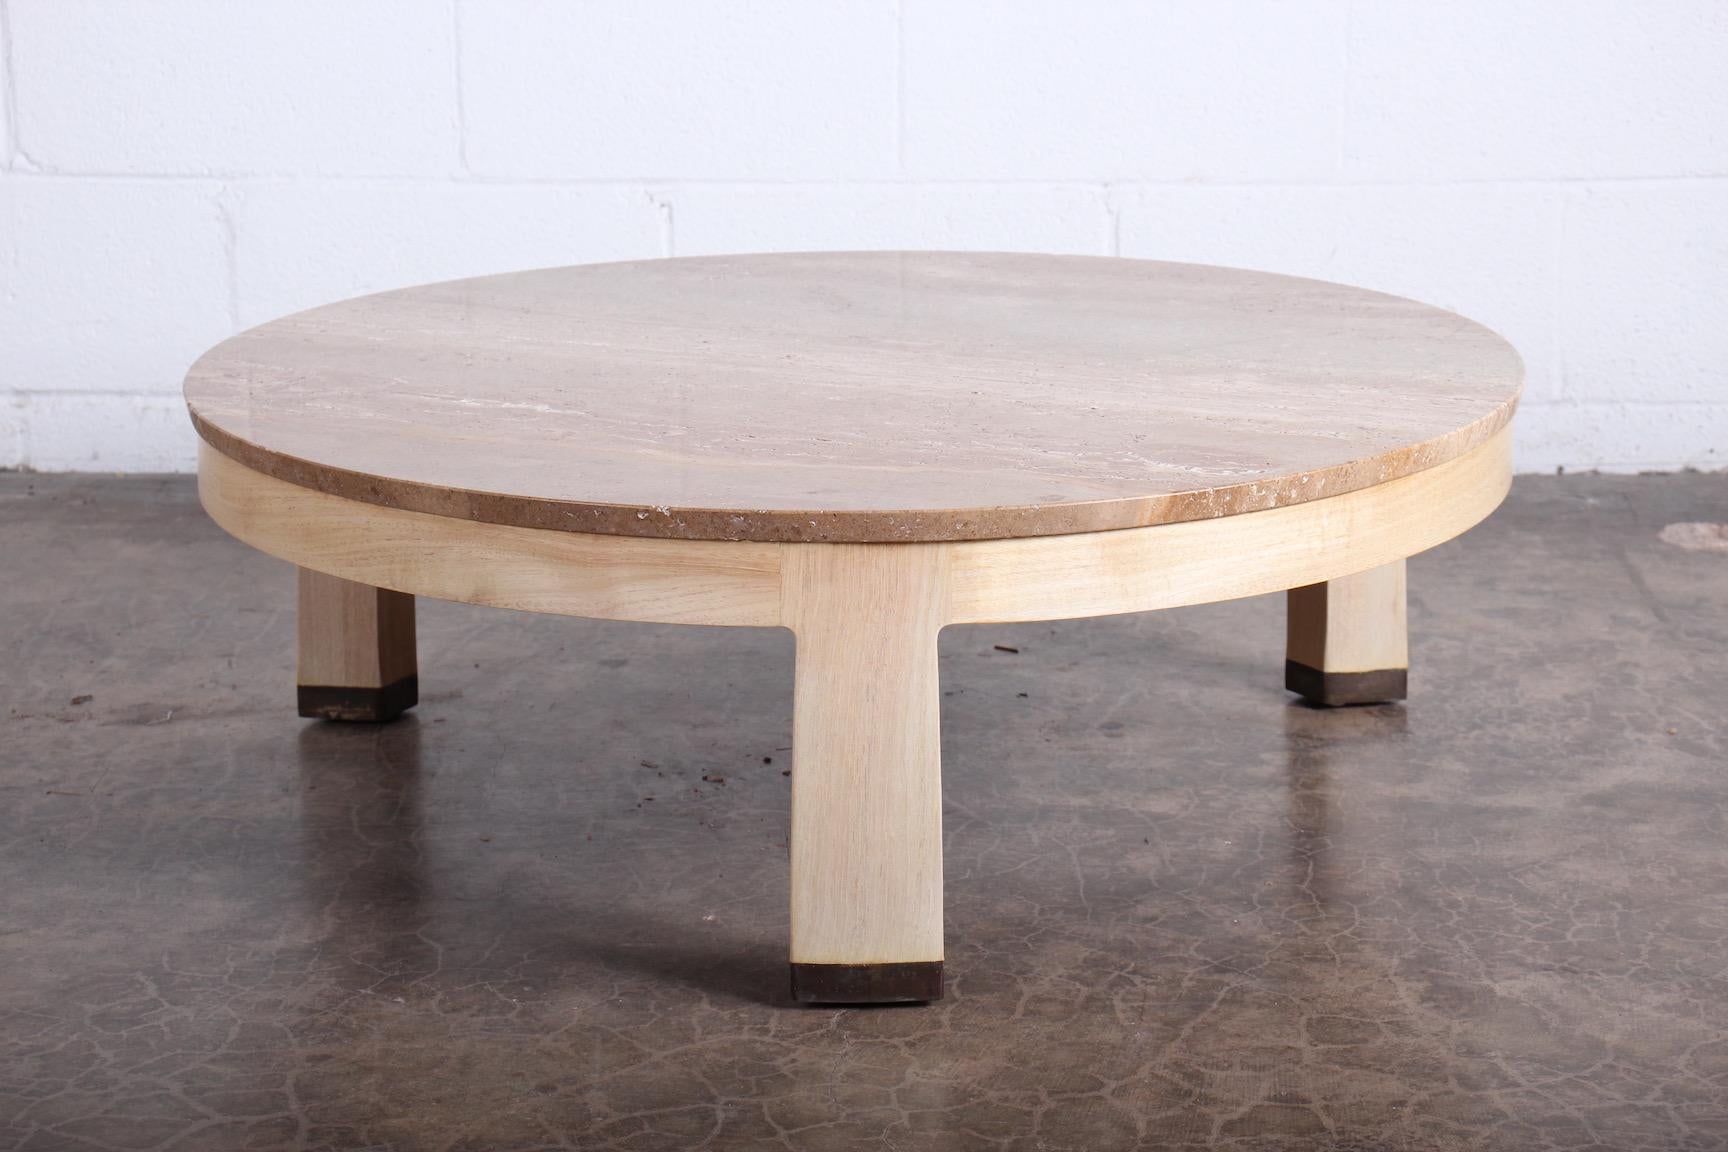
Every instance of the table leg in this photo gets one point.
(866, 772)
(1347, 642)
(356, 650)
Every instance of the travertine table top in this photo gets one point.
(856, 396)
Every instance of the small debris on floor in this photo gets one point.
(767, 759)
(61, 792)
(785, 771)
(84, 699)
(1007, 648)
(711, 779)
(1696, 536)
(648, 764)
(1023, 695)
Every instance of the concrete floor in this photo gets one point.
(1183, 911)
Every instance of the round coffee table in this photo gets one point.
(863, 448)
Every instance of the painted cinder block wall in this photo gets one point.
(176, 170)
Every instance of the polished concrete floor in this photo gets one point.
(548, 909)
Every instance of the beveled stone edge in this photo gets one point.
(855, 526)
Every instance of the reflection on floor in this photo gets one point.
(548, 909)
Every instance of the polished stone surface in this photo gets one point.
(855, 396)
(547, 909)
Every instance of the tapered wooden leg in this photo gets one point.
(356, 650)
(866, 772)
(1347, 640)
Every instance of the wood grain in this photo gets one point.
(1347, 641)
(870, 397)
(572, 574)
(866, 753)
(356, 650)
(712, 582)
(1199, 562)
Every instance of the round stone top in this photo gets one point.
(853, 396)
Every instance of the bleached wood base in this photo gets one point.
(866, 804)
(1347, 640)
(866, 772)
(356, 649)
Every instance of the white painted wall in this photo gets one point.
(175, 170)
